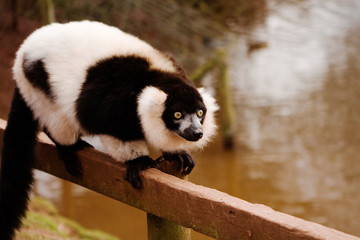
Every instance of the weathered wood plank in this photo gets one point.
(206, 210)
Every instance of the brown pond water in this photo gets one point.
(297, 103)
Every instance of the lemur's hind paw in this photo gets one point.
(187, 163)
(67, 153)
(72, 164)
(135, 167)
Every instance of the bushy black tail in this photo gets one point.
(16, 166)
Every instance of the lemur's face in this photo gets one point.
(189, 124)
(185, 116)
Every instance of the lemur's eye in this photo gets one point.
(177, 115)
(200, 113)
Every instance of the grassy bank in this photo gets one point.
(43, 222)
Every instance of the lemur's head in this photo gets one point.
(182, 119)
(184, 113)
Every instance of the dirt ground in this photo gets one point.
(10, 40)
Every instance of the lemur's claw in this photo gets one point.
(186, 162)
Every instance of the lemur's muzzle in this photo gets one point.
(191, 128)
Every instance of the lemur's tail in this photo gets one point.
(16, 166)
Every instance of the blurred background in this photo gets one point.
(287, 76)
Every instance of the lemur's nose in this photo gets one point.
(198, 134)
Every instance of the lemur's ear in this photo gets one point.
(151, 101)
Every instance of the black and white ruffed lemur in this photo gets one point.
(89, 79)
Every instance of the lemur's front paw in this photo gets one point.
(135, 167)
(187, 163)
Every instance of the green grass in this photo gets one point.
(42, 221)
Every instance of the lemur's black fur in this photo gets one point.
(37, 76)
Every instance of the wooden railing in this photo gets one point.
(172, 203)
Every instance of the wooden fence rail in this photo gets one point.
(203, 209)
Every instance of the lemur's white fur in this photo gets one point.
(122, 151)
(67, 57)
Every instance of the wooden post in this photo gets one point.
(226, 102)
(159, 228)
(47, 11)
(15, 8)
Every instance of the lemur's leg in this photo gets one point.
(135, 154)
(186, 162)
(67, 153)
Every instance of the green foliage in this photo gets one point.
(187, 29)
(43, 222)
(229, 12)
(84, 233)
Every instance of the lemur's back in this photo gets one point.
(53, 62)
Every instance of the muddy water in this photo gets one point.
(297, 101)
